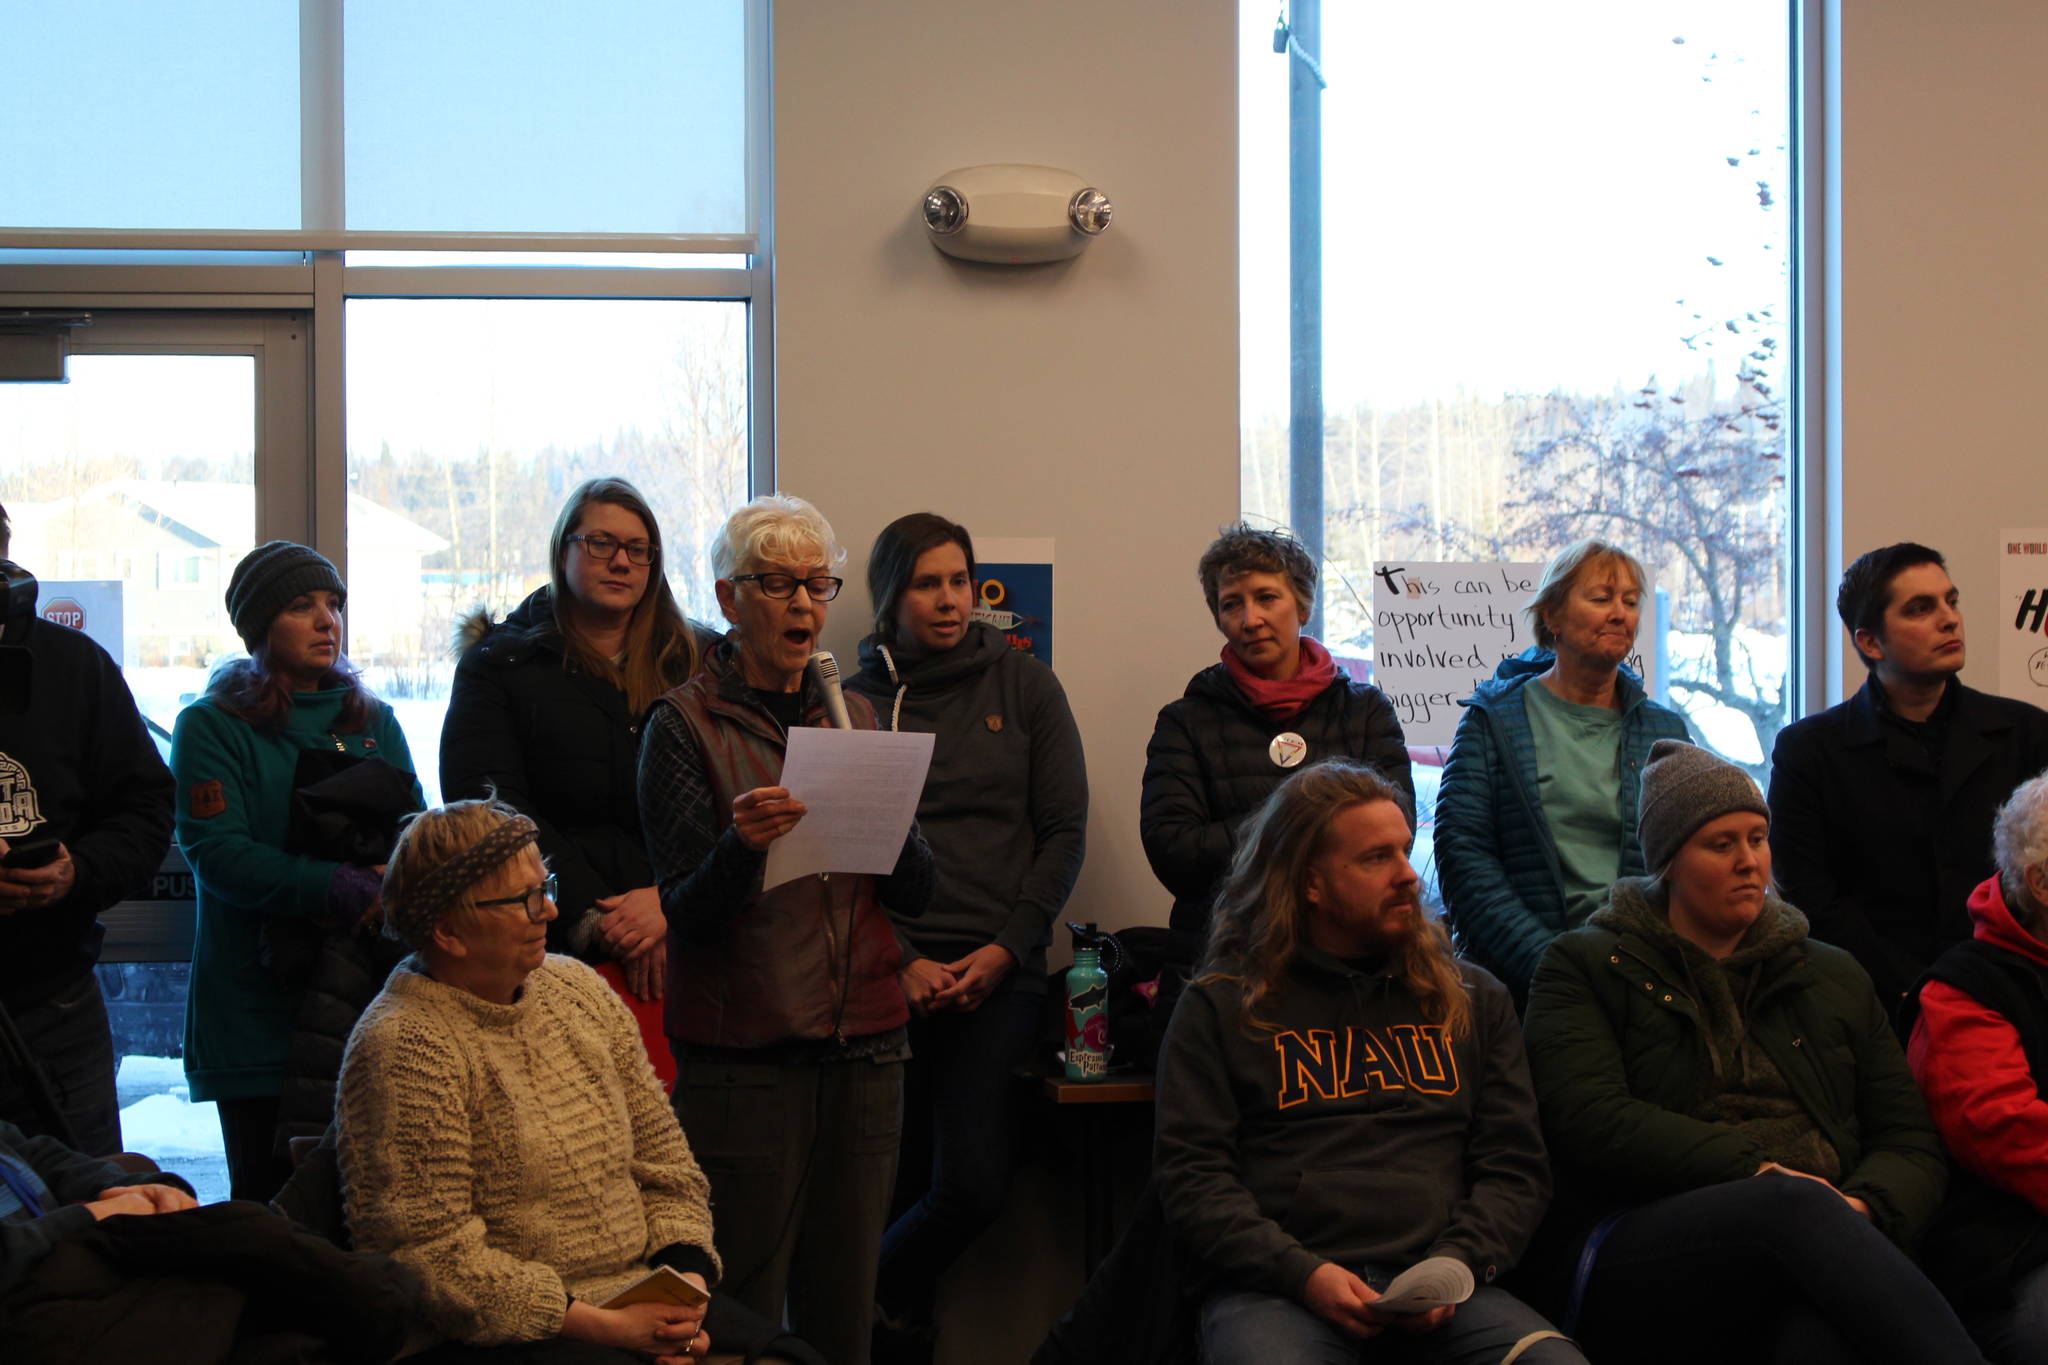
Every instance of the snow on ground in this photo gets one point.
(1727, 731)
(159, 1120)
(169, 1126)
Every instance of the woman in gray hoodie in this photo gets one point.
(1005, 809)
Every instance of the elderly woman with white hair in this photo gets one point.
(783, 1009)
(1979, 1048)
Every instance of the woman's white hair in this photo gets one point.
(2019, 838)
(774, 528)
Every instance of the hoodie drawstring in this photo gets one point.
(889, 662)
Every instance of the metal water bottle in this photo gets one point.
(1087, 1007)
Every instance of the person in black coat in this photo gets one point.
(1275, 701)
(1881, 807)
(547, 710)
(85, 817)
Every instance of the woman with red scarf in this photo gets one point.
(1274, 702)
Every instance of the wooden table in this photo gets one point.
(1098, 1180)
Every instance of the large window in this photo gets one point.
(1554, 272)
(383, 278)
(376, 116)
(470, 420)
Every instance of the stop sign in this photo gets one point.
(65, 612)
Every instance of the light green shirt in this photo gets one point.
(1578, 784)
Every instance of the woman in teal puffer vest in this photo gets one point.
(1536, 815)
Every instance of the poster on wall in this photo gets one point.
(2023, 615)
(1014, 590)
(1440, 629)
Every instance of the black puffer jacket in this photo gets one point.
(559, 745)
(346, 977)
(1209, 765)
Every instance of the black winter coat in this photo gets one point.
(1208, 767)
(230, 1282)
(346, 977)
(1877, 846)
(560, 746)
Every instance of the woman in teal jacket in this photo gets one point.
(235, 755)
(1536, 815)
(1741, 1155)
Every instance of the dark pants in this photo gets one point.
(68, 1037)
(800, 1158)
(2017, 1335)
(959, 1142)
(1773, 1268)
(1246, 1328)
(248, 1132)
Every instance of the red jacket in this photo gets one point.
(1973, 1070)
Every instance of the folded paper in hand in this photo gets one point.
(1433, 1283)
(662, 1285)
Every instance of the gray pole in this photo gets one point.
(1305, 284)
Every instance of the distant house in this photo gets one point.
(175, 544)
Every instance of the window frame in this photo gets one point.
(1814, 510)
(282, 296)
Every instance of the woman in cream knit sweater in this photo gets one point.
(501, 1130)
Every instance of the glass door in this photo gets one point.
(133, 489)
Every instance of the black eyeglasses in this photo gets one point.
(533, 900)
(599, 545)
(823, 588)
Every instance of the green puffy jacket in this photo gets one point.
(1621, 1062)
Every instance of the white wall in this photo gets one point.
(1093, 401)
(1944, 293)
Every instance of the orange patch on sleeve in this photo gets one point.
(207, 799)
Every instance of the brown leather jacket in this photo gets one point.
(814, 958)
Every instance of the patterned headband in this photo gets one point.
(440, 889)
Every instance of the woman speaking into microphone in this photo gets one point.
(783, 1007)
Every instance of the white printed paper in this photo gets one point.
(860, 790)
(2022, 617)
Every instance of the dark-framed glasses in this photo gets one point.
(534, 900)
(599, 545)
(822, 588)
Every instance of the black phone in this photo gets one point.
(33, 853)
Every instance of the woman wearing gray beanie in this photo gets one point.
(1738, 1145)
(236, 755)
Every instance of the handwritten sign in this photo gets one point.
(2023, 615)
(1439, 630)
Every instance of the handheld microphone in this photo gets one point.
(825, 669)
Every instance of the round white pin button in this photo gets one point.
(1287, 749)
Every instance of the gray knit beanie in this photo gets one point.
(1684, 787)
(266, 581)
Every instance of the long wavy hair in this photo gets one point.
(1261, 919)
(661, 649)
(247, 688)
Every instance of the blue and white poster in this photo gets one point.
(1014, 586)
